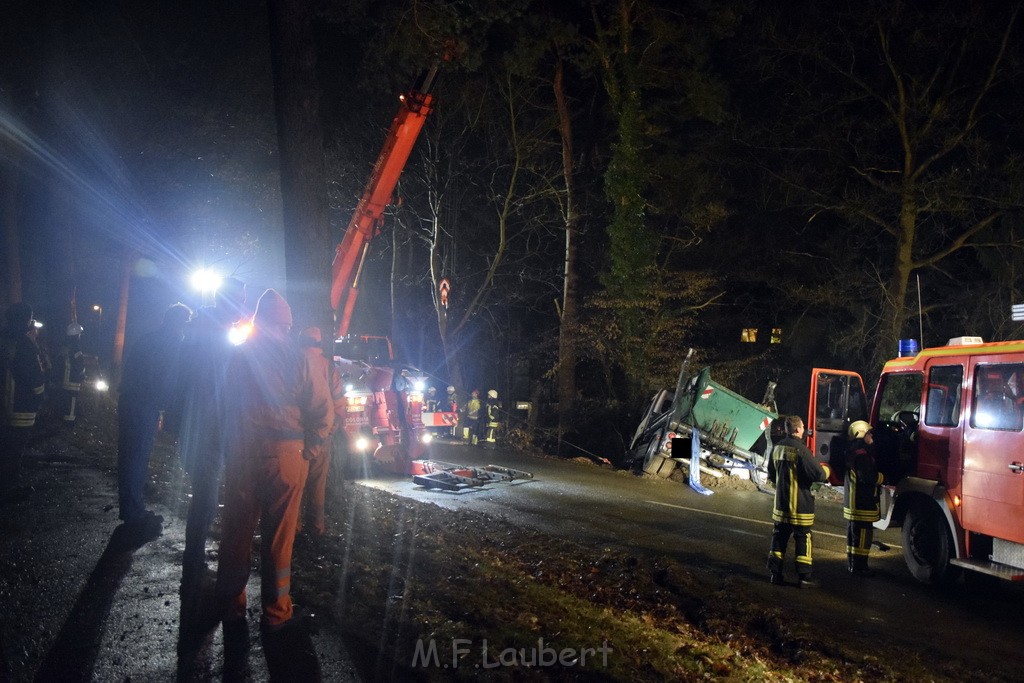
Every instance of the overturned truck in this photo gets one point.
(733, 432)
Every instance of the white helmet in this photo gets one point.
(74, 329)
(451, 390)
(858, 429)
(492, 393)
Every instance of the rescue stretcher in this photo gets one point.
(432, 474)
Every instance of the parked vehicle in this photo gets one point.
(949, 431)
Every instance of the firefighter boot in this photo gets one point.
(807, 582)
(859, 565)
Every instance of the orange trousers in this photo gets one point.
(315, 497)
(262, 487)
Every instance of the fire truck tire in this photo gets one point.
(927, 545)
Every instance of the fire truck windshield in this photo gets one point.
(374, 351)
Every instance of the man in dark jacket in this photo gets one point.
(793, 469)
(198, 422)
(24, 383)
(860, 496)
(147, 387)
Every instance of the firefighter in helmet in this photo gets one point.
(491, 419)
(793, 469)
(453, 403)
(472, 415)
(860, 496)
(72, 371)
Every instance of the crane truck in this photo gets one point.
(383, 399)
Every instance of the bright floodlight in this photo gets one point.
(206, 280)
(419, 385)
(101, 385)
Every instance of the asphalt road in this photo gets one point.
(725, 537)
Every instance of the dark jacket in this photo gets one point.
(23, 377)
(860, 487)
(793, 469)
(198, 414)
(150, 372)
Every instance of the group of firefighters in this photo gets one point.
(793, 469)
(26, 368)
(479, 419)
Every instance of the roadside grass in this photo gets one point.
(402, 577)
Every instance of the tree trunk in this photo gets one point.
(9, 217)
(894, 301)
(567, 325)
(303, 185)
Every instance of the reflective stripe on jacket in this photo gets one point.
(860, 487)
(794, 469)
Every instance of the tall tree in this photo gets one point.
(891, 127)
(303, 177)
(665, 105)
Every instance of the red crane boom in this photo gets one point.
(350, 254)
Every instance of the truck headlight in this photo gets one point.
(426, 437)
(362, 443)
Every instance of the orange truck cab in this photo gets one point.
(948, 426)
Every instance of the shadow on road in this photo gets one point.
(73, 655)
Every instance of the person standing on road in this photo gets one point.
(314, 497)
(793, 469)
(24, 386)
(454, 405)
(147, 387)
(278, 406)
(472, 415)
(490, 422)
(198, 421)
(72, 372)
(860, 496)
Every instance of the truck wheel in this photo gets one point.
(927, 545)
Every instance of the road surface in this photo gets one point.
(725, 537)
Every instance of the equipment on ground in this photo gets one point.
(448, 477)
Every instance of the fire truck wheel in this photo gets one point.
(927, 544)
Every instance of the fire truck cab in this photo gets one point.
(948, 424)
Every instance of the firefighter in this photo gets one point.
(793, 469)
(279, 408)
(23, 390)
(491, 421)
(430, 402)
(454, 404)
(314, 497)
(73, 371)
(472, 414)
(860, 496)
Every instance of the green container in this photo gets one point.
(721, 413)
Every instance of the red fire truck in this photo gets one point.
(948, 424)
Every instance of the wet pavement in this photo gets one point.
(81, 602)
